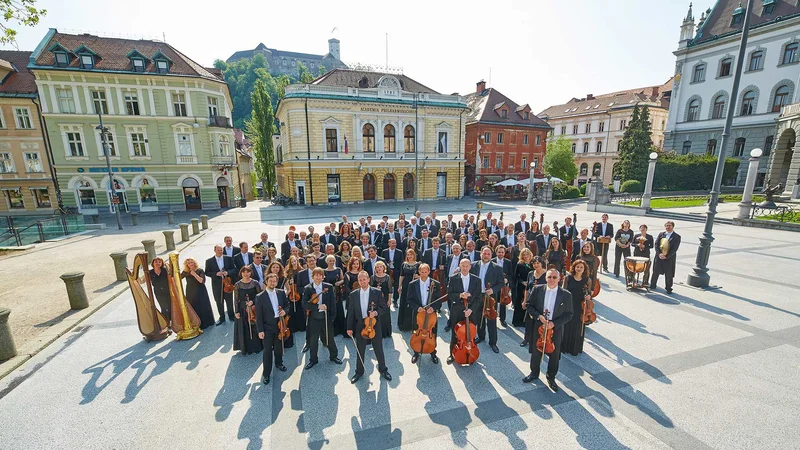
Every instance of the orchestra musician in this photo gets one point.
(491, 277)
(420, 292)
(463, 285)
(451, 270)
(508, 272)
(603, 229)
(243, 258)
(642, 244)
(666, 246)
(623, 240)
(321, 317)
(218, 267)
(271, 304)
(366, 301)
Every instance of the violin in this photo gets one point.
(314, 300)
(465, 351)
(368, 332)
(489, 306)
(227, 285)
(251, 311)
(505, 295)
(283, 325)
(423, 340)
(292, 292)
(545, 342)
(588, 316)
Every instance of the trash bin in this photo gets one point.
(243, 202)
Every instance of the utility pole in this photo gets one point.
(103, 130)
(416, 150)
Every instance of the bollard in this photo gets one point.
(134, 218)
(170, 217)
(204, 221)
(7, 347)
(150, 248)
(184, 232)
(170, 239)
(95, 218)
(195, 226)
(75, 290)
(120, 264)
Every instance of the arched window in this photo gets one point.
(584, 169)
(711, 146)
(694, 111)
(224, 146)
(738, 146)
(599, 146)
(408, 137)
(790, 52)
(368, 138)
(699, 74)
(585, 147)
(388, 139)
(725, 67)
(749, 103)
(718, 110)
(781, 98)
(596, 169)
(573, 147)
(408, 186)
(756, 61)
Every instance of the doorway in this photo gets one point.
(408, 186)
(369, 187)
(300, 191)
(191, 194)
(389, 187)
(441, 184)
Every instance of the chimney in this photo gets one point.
(480, 86)
(589, 96)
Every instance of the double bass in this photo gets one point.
(423, 339)
(568, 246)
(465, 351)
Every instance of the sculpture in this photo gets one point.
(769, 192)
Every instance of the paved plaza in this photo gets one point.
(692, 370)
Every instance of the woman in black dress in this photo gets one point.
(245, 335)
(412, 245)
(522, 270)
(160, 282)
(383, 281)
(196, 293)
(297, 315)
(577, 283)
(623, 240)
(408, 273)
(333, 276)
(277, 268)
(482, 240)
(346, 235)
(536, 277)
(354, 266)
(555, 257)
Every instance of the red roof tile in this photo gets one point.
(21, 81)
(484, 108)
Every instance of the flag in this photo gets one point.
(345, 145)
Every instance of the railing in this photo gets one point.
(370, 93)
(788, 110)
(222, 160)
(29, 230)
(187, 159)
(219, 121)
(779, 213)
(626, 198)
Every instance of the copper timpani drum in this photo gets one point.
(635, 266)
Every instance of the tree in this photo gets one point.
(24, 12)
(635, 147)
(260, 128)
(283, 81)
(321, 71)
(241, 77)
(303, 74)
(559, 160)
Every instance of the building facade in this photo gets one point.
(170, 139)
(356, 136)
(246, 167)
(26, 178)
(704, 68)
(502, 139)
(596, 125)
(783, 164)
(283, 62)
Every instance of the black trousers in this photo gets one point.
(316, 332)
(377, 346)
(619, 252)
(164, 302)
(219, 296)
(552, 358)
(668, 269)
(492, 326)
(503, 310)
(272, 351)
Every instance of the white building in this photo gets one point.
(704, 67)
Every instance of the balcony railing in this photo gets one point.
(187, 159)
(219, 121)
(222, 161)
(789, 110)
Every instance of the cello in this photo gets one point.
(465, 351)
(423, 339)
(568, 246)
(545, 342)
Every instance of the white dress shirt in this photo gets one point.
(220, 262)
(484, 267)
(434, 258)
(273, 298)
(257, 268)
(465, 282)
(364, 296)
(228, 251)
(454, 266)
(510, 240)
(423, 290)
(244, 258)
(550, 301)
(318, 288)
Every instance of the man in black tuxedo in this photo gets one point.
(434, 257)
(462, 229)
(579, 242)
(287, 246)
(375, 237)
(509, 239)
(306, 276)
(229, 249)
(543, 240)
(416, 229)
(523, 225)
(487, 221)
(424, 242)
(433, 229)
(263, 244)
(603, 229)
(471, 252)
(218, 267)
(435, 221)
(362, 226)
(557, 303)
(567, 232)
(363, 302)
(421, 293)
(665, 262)
(508, 271)
(372, 260)
(463, 286)
(451, 224)
(394, 261)
(329, 237)
(268, 302)
(491, 276)
(318, 328)
(390, 234)
(243, 258)
(259, 270)
(451, 269)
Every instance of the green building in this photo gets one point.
(170, 138)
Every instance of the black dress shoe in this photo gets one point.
(551, 382)
(530, 378)
(435, 359)
(415, 358)
(503, 323)
(523, 344)
(447, 328)
(311, 364)
(494, 348)
(305, 348)
(282, 368)
(669, 291)
(220, 321)
(450, 359)
(478, 340)
(355, 378)
(386, 376)
(336, 360)
(265, 379)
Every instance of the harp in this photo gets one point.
(185, 321)
(152, 324)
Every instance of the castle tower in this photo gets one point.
(687, 29)
(333, 48)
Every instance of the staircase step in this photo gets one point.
(697, 218)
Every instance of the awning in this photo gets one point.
(492, 178)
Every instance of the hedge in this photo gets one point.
(690, 172)
(563, 191)
(631, 186)
(583, 189)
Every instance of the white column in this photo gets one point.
(648, 185)
(45, 108)
(747, 197)
(141, 101)
(54, 99)
(89, 102)
(110, 102)
(152, 102)
(168, 95)
(189, 103)
(122, 108)
(76, 99)
(379, 137)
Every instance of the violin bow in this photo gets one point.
(357, 352)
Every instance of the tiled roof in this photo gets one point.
(718, 22)
(483, 108)
(112, 54)
(21, 81)
(360, 79)
(605, 102)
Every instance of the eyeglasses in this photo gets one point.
(554, 277)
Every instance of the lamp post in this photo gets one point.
(103, 130)
(699, 276)
(752, 171)
(530, 183)
(648, 186)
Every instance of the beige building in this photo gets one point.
(596, 125)
(26, 179)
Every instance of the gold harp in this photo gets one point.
(152, 324)
(185, 321)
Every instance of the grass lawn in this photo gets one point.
(684, 202)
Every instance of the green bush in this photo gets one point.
(582, 189)
(631, 186)
(690, 172)
(610, 188)
(563, 191)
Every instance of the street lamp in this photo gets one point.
(648, 186)
(752, 172)
(530, 182)
(103, 130)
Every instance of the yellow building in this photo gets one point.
(25, 176)
(351, 136)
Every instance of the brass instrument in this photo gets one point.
(185, 321)
(152, 324)
(664, 246)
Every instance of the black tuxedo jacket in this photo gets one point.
(597, 231)
(238, 261)
(508, 245)
(328, 299)
(674, 243)
(562, 312)
(415, 301)
(433, 230)
(266, 322)
(427, 258)
(302, 278)
(576, 247)
(398, 260)
(286, 249)
(508, 269)
(389, 236)
(370, 268)
(522, 227)
(565, 235)
(235, 251)
(255, 275)
(541, 245)
(212, 268)
(476, 255)
(355, 315)
(421, 243)
(493, 277)
(326, 239)
(260, 245)
(454, 289)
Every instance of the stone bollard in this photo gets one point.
(134, 218)
(204, 221)
(120, 264)
(7, 347)
(75, 290)
(195, 226)
(184, 232)
(170, 217)
(170, 239)
(150, 248)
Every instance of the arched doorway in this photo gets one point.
(222, 191)
(782, 158)
(408, 186)
(389, 187)
(369, 187)
(191, 194)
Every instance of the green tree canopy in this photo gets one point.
(635, 147)
(303, 74)
(241, 77)
(559, 160)
(260, 128)
(24, 12)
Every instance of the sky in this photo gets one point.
(538, 52)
